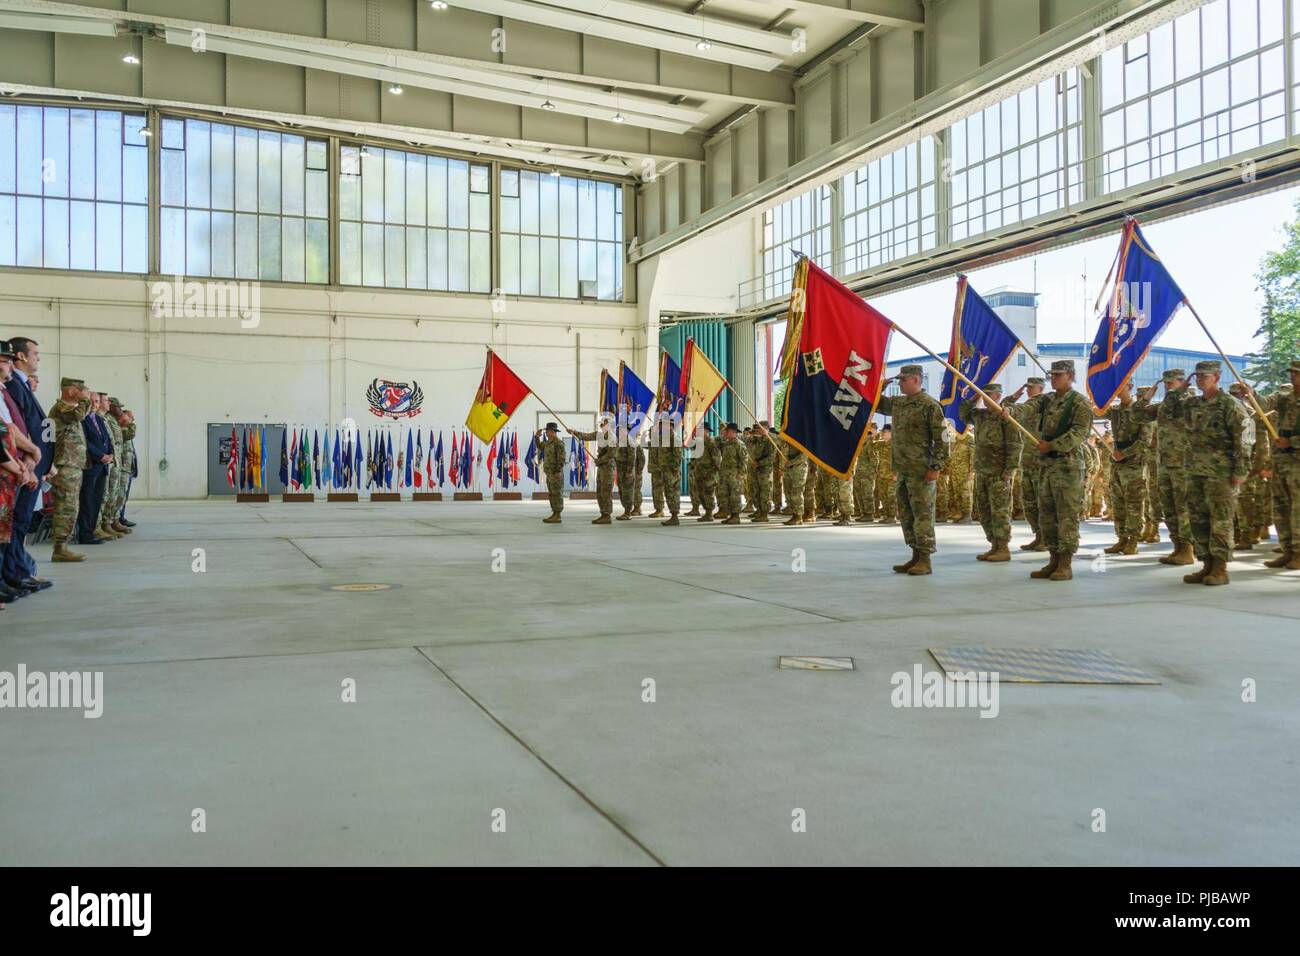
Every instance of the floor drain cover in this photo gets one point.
(1039, 665)
(359, 587)
(817, 663)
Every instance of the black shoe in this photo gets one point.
(129, 524)
(37, 584)
(11, 594)
(19, 588)
(89, 541)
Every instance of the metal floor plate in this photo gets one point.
(1041, 665)
(817, 663)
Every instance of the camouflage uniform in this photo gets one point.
(625, 456)
(885, 479)
(654, 463)
(1031, 473)
(1286, 473)
(637, 476)
(604, 460)
(1128, 476)
(762, 457)
(553, 455)
(1091, 465)
(1171, 458)
(1064, 421)
(795, 474)
(669, 465)
(864, 480)
(1244, 531)
(731, 470)
(1216, 430)
(960, 479)
(115, 472)
(706, 464)
(810, 492)
(778, 480)
(917, 447)
(70, 459)
(997, 456)
(115, 500)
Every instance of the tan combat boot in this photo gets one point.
(1293, 564)
(62, 553)
(657, 513)
(842, 520)
(100, 534)
(999, 551)
(1130, 546)
(733, 518)
(694, 512)
(1048, 569)
(603, 519)
(1198, 577)
(1035, 545)
(1063, 571)
(553, 519)
(907, 565)
(671, 522)
(866, 519)
(120, 528)
(707, 516)
(760, 517)
(1286, 558)
(984, 555)
(625, 516)
(793, 520)
(1218, 573)
(922, 565)
(809, 516)
(1182, 554)
(1117, 547)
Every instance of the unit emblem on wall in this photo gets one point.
(395, 400)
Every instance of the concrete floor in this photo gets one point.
(522, 692)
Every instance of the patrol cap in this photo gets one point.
(552, 427)
(71, 383)
(888, 428)
(1035, 380)
(993, 388)
(1209, 367)
(910, 370)
(765, 423)
(1173, 374)
(1063, 365)
(114, 401)
(733, 426)
(1236, 388)
(6, 349)
(707, 427)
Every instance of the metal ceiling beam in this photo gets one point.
(907, 14)
(687, 23)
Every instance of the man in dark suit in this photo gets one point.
(19, 568)
(99, 452)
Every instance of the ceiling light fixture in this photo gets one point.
(548, 105)
(131, 60)
(619, 118)
(395, 89)
(555, 173)
(703, 45)
(146, 132)
(438, 4)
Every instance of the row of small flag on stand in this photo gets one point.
(345, 460)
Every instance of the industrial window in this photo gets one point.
(243, 203)
(798, 225)
(889, 207)
(1209, 84)
(1019, 158)
(74, 189)
(561, 236)
(411, 221)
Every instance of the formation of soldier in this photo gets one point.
(1211, 473)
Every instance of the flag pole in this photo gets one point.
(1007, 415)
(766, 434)
(1034, 358)
(1250, 392)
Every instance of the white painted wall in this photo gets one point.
(308, 361)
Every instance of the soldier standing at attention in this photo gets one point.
(1171, 462)
(864, 478)
(1243, 523)
(918, 455)
(655, 465)
(762, 458)
(961, 477)
(1217, 464)
(778, 475)
(810, 493)
(638, 474)
(885, 475)
(605, 439)
(625, 460)
(102, 526)
(731, 471)
(667, 442)
(708, 458)
(1063, 421)
(69, 458)
(1031, 472)
(1106, 448)
(1286, 470)
(747, 478)
(553, 455)
(1128, 470)
(997, 456)
(795, 475)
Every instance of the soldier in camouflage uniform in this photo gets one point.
(1286, 470)
(1128, 470)
(707, 459)
(1106, 449)
(888, 506)
(129, 470)
(997, 456)
(864, 478)
(553, 455)
(116, 495)
(942, 484)
(69, 458)
(1244, 537)
(762, 457)
(655, 467)
(795, 476)
(918, 455)
(1090, 466)
(747, 480)
(1171, 462)
(731, 472)
(810, 492)
(1031, 472)
(625, 461)
(666, 440)
(961, 478)
(1217, 464)
(778, 477)
(103, 528)
(1062, 419)
(638, 475)
(606, 438)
